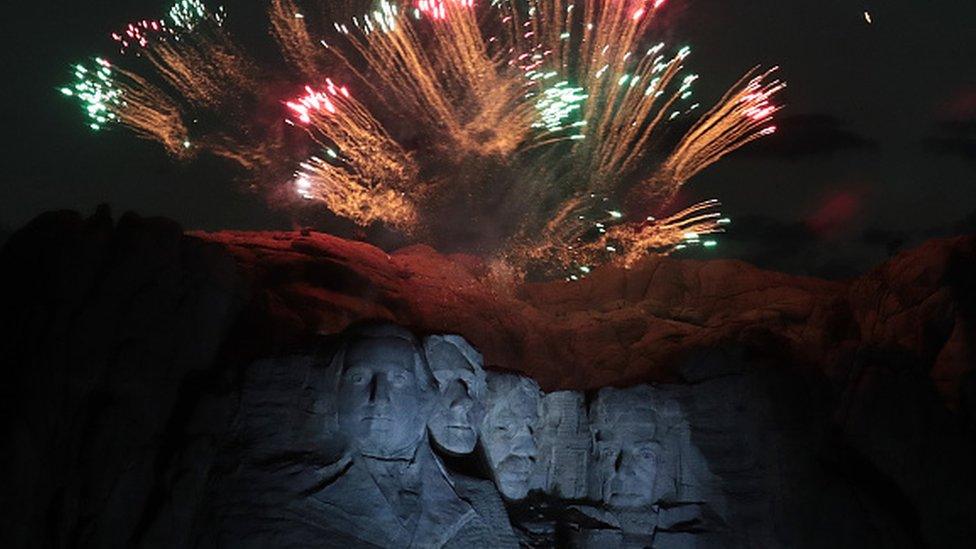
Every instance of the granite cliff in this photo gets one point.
(833, 412)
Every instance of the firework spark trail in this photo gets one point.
(458, 47)
(112, 95)
(598, 46)
(491, 109)
(188, 14)
(198, 59)
(470, 99)
(291, 33)
(140, 33)
(365, 169)
(566, 242)
(743, 115)
(633, 242)
(180, 66)
(402, 75)
(493, 112)
(319, 180)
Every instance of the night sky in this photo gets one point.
(877, 148)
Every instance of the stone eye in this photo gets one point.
(399, 378)
(357, 378)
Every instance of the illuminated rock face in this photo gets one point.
(626, 451)
(564, 444)
(385, 395)
(787, 412)
(509, 433)
(462, 387)
(357, 468)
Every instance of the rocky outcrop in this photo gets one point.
(622, 326)
(125, 344)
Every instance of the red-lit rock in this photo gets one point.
(617, 326)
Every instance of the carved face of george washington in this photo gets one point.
(384, 394)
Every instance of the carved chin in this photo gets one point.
(513, 484)
(513, 488)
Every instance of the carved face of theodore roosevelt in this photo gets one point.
(508, 432)
(384, 393)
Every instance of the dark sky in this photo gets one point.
(877, 147)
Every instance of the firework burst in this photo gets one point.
(110, 95)
(541, 118)
(199, 60)
(290, 31)
(364, 172)
(435, 65)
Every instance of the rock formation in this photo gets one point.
(142, 362)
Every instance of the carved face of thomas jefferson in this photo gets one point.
(457, 368)
(383, 396)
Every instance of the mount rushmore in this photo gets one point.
(167, 389)
(383, 411)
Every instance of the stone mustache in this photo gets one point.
(402, 407)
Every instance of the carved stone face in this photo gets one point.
(508, 432)
(461, 380)
(626, 467)
(625, 451)
(381, 403)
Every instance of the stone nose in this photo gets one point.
(379, 389)
(626, 463)
(461, 404)
(457, 395)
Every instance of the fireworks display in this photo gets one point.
(297, 46)
(548, 118)
(111, 95)
(188, 14)
(139, 34)
(365, 173)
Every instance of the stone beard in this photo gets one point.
(508, 433)
(624, 467)
(457, 367)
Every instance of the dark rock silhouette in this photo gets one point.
(843, 413)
